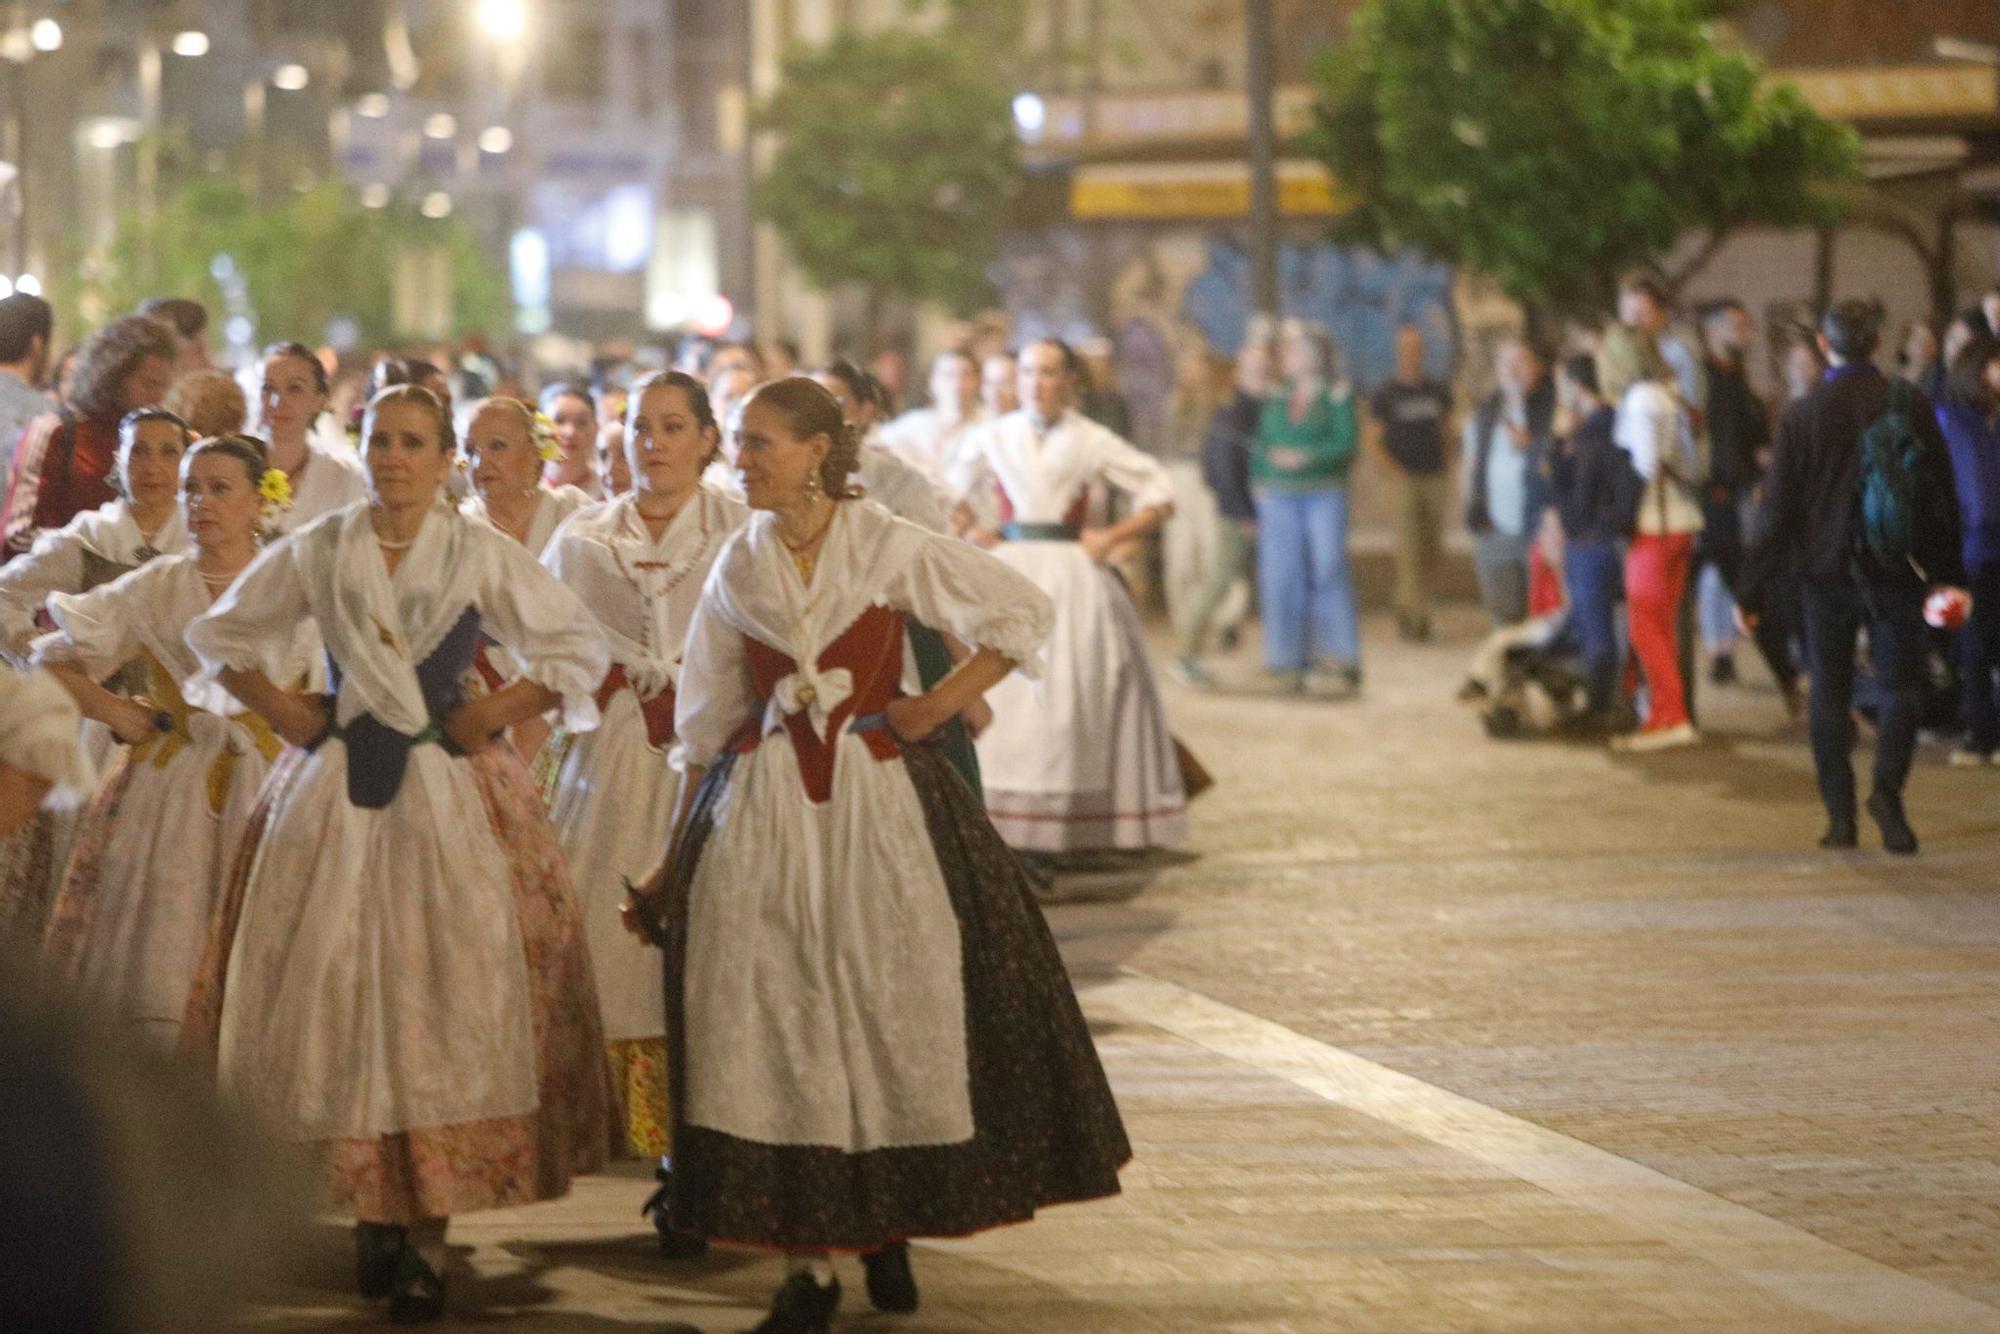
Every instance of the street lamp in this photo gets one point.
(442, 125)
(496, 139)
(437, 204)
(374, 195)
(290, 78)
(1958, 48)
(47, 35)
(372, 105)
(191, 43)
(504, 20)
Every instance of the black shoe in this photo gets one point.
(802, 1306)
(1839, 836)
(377, 1247)
(1722, 670)
(418, 1295)
(674, 1244)
(891, 1285)
(1887, 813)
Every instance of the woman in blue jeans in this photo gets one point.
(1299, 463)
(1584, 471)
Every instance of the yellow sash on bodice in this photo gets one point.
(163, 693)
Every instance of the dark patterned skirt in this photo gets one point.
(1045, 1128)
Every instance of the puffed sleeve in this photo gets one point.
(980, 599)
(968, 472)
(55, 563)
(262, 609)
(553, 637)
(97, 630)
(715, 694)
(1130, 469)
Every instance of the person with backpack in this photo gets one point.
(1860, 501)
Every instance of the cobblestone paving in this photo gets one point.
(1644, 956)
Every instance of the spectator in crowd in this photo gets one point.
(211, 402)
(1225, 467)
(1588, 492)
(1643, 307)
(1409, 420)
(1304, 447)
(781, 358)
(26, 322)
(1504, 442)
(1983, 315)
(727, 358)
(1097, 378)
(999, 390)
(1738, 432)
(63, 463)
(188, 319)
(1921, 360)
(1811, 521)
(1970, 418)
(1652, 429)
(1804, 368)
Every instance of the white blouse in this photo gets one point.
(380, 627)
(329, 481)
(1044, 472)
(927, 438)
(148, 611)
(643, 592)
(57, 564)
(901, 487)
(869, 556)
(552, 507)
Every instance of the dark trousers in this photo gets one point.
(1981, 647)
(1834, 616)
(1595, 575)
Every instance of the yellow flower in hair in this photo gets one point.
(276, 488)
(544, 429)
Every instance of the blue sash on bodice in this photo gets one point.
(378, 755)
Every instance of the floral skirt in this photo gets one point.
(31, 867)
(439, 1171)
(1046, 1130)
(639, 1082)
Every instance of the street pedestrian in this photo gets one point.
(1410, 427)
(1590, 490)
(131, 919)
(1970, 418)
(872, 1035)
(1081, 759)
(404, 863)
(1505, 440)
(1652, 428)
(1300, 461)
(26, 324)
(1852, 576)
(62, 466)
(1225, 467)
(1739, 429)
(639, 563)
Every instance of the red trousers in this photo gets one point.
(1656, 575)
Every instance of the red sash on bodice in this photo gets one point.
(871, 649)
(658, 711)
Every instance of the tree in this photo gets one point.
(302, 262)
(1555, 145)
(896, 159)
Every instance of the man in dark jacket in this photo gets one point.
(1225, 466)
(1739, 429)
(1587, 488)
(1812, 519)
(1505, 443)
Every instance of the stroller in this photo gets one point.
(1528, 680)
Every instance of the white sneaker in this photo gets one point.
(1666, 738)
(1964, 758)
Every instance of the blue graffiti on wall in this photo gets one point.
(1360, 296)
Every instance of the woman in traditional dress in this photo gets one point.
(638, 562)
(931, 436)
(1081, 759)
(406, 867)
(505, 450)
(291, 396)
(91, 549)
(570, 407)
(871, 1034)
(132, 916)
(883, 475)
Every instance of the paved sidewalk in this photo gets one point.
(1441, 1033)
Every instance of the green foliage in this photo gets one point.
(1556, 144)
(895, 162)
(314, 256)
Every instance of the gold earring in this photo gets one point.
(812, 485)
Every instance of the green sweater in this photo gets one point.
(1326, 436)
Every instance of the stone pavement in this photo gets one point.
(1443, 1033)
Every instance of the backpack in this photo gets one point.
(1894, 502)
